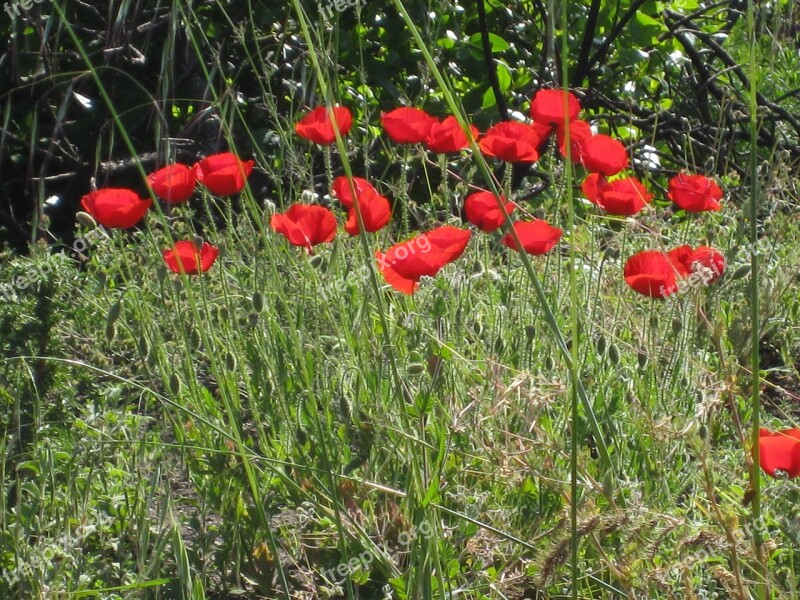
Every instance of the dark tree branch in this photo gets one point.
(582, 68)
(488, 59)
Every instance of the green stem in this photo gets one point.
(755, 473)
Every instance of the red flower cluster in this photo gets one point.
(222, 174)
(660, 274)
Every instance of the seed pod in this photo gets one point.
(601, 344)
(85, 219)
(194, 339)
(613, 354)
(316, 261)
(174, 384)
(741, 272)
(415, 368)
(113, 313)
(499, 345)
(677, 326)
(258, 302)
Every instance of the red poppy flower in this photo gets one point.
(407, 125)
(548, 107)
(579, 133)
(512, 141)
(317, 126)
(625, 196)
(681, 259)
(305, 225)
(115, 207)
(404, 264)
(603, 154)
(708, 261)
(447, 136)
(173, 183)
(186, 256)
(780, 450)
(651, 273)
(484, 212)
(451, 241)
(224, 174)
(341, 189)
(537, 236)
(375, 212)
(694, 193)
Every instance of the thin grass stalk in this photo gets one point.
(755, 328)
(573, 312)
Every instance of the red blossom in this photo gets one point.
(224, 174)
(173, 183)
(115, 207)
(603, 154)
(305, 225)
(694, 193)
(483, 210)
(317, 126)
(537, 236)
(187, 257)
(547, 107)
(407, 125)
(447, 136)
(512, 141)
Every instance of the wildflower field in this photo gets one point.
(400, 299)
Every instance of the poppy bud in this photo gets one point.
(230, 361)
(198, 242)
(113, 313)
(601, 344)
(85, 219)
(101, 279)
(174, 384)
(161, 273)
(143, 347)
(252, 319)
(110, 332)
(415, 368)
(258, 302)
(194, 339)
(316, 261)
(530, 332)
(641, 358)
(741, 272)
(613, 354)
